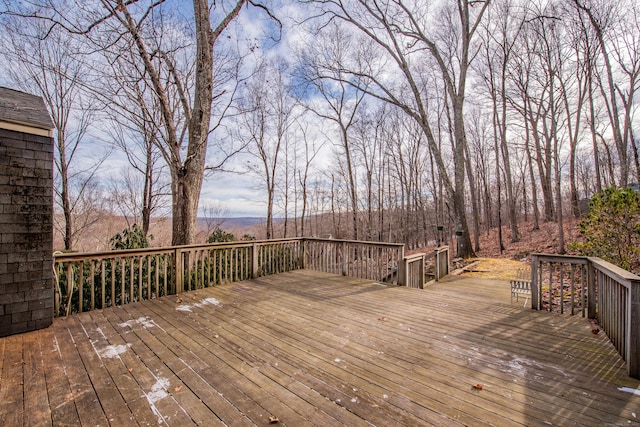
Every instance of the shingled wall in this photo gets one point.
(26, 229)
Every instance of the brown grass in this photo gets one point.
(494, 268)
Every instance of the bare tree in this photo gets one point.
(500, 33)
(339, 100)
(186, 125)
(407, 38)
(267, 122)
(53, 68)
(603, 18)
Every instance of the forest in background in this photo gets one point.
(370, 120)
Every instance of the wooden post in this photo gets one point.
(344, 258)
(633, 330)
(535, 262)
(303, 261)
(402, 272)
(591, 291)
(179, 269)
(421, 272)
(255, 248)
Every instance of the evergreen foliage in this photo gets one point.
(220, 236)
(130, 238)
(611, 229)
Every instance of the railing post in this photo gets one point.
(591, 291)
(633, 330)
(535, 288)
(441, 262)
(255, 249)
(303, 261)
(447, 265)
(402, 272)
(421, 272)
(179, 269)
(344, 259)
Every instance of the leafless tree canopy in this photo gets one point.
(400, 120)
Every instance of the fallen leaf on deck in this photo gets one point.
(216, 336)
(274, 420)
(130, 369)
(477, 386)
(178, 300)
(177, 389)
(595, 331)
(383, 319)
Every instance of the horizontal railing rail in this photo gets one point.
(596, 288)
(88, 281)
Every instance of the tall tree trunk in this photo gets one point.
(353, 195)
(474, 202)
(64, 191)
(532, 177)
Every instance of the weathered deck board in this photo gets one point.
(317, 349)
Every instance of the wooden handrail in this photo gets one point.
(606, 292)
(85, 281)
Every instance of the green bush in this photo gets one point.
(611, 229)
(220, 236)
(130, 238)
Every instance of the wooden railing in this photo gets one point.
(411, 271)
(363, 260)
(596, 288)
(440, 262)
(103, 279)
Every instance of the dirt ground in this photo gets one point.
(493, 268)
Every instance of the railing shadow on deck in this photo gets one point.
(88, 281)
(597, 289)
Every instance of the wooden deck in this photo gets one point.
(316, 349)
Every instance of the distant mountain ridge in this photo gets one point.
(232, 223)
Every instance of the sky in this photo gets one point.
(237, 193)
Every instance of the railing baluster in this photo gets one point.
(122, 281)
(157, 274)
(56, 293)
(561, 287)
(102, 282)
(113, 282)
(80, 286)
(92, 292)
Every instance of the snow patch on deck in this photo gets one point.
(528, 367)
(157, 393)
(629, 390)
(207, 301)
(188, 308)
(112, 351)
(145, 321)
